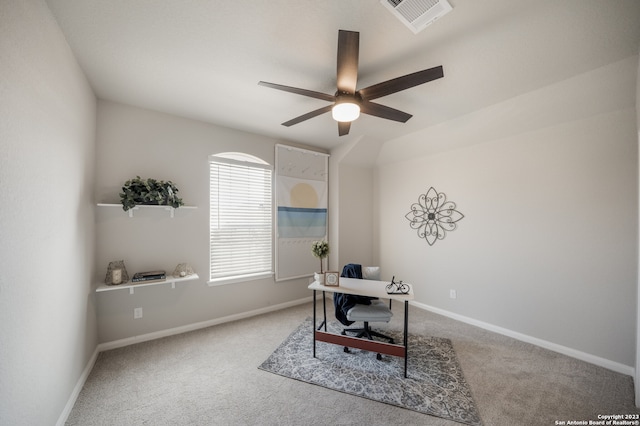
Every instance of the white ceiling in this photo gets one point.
(202, 59)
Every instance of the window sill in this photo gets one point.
(239, 279)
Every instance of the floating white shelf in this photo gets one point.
(130, 211)
(131, 286)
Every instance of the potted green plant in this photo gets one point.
(320, 249)
(140, 191)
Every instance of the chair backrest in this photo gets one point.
(355, 270)
(371, 273)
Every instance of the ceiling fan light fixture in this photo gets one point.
(345, 111)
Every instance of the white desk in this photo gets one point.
(361, 288)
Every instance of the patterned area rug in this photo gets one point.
(435, 384)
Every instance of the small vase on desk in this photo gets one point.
(319, 277)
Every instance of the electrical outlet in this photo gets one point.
(452, 294)
(137, 313)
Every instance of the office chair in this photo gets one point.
(365, 309)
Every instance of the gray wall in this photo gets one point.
(351, 204)
(548, 186)
(47, 315)
(133, 141)
(637, 375)
(355, 212)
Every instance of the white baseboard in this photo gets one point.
(156, 335)
(198, 325)
(583, 356)
(76, 390)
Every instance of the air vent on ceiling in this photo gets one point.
(417, 14)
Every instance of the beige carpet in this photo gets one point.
(210, 377)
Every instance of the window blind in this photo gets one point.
(241, 223)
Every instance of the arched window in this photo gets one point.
(240, 221)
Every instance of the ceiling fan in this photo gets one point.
(348, 102)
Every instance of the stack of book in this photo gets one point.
(151, 276)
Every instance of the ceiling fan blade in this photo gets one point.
(343, 127)
(401, 83)
(297, 91)
(382, 111)
(348, 50)
(307, 116)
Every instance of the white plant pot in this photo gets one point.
(319, 277)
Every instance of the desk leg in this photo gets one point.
(406, 334)
(324, 307)
(313, 330)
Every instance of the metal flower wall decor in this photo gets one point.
(433, 216)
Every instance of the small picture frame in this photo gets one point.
(332, 279)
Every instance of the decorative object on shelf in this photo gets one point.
(433, 216)
(148, 277)
(183, 270)
(397, 287)
(320, 250)
(116, 276)
(149, 191)
(116, 273)
(332, 279)
(319, 277)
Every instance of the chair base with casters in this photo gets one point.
(378, 311)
